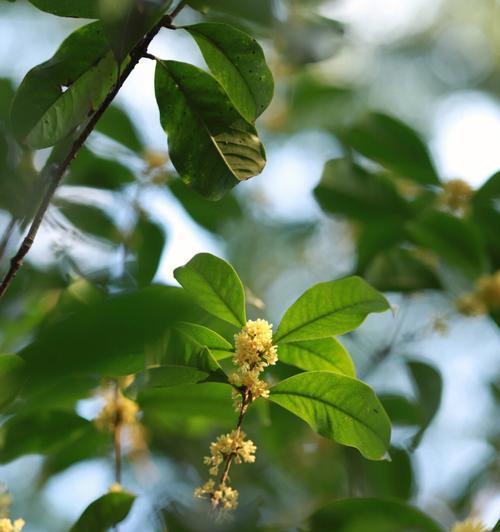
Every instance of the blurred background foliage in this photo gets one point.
(381, 143)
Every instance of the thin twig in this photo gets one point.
(59, 169)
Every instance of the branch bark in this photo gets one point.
(58, 169)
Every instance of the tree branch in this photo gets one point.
(59, 169)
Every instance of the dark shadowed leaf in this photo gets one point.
(148, 242)
(11, 378)
(69, 8)
(210, 144)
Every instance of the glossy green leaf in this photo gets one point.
(215, 286)
(199, 336)
(210, 144)
(372, 515)
(69, 8)
(455, 240)
(339, 408)
(328, 309)
(322, 354)
(347, 189)
(237, 62)
(11, 378)
(202, 210)
(399, 270)
(104, 513)
(39, 432)
(59, 95)
(394, 145)
(116, 124)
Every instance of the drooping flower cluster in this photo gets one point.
(232, 446)
(6, 525)
(469, 525)
(456, 194)
(117, 411)
(254, 352)
(484, 298)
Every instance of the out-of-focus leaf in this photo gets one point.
(41, 432)
(126, 22)
(328, 309)
(402, 410)
(202, 211)
(429, 385)
(6, 95)
(89, 219)
(372, 515)
(337, 407)
(116, 124)
(110, 337)
(394, 145)
(375, 237)
(104, 513)
(167, 376)
(455, 240)
(148, 242)
(11, 378)
(69, 8)
(347, 189)
(399, 270)
(58, 95)
(257, 11)
(91, 170)
(237, 62)
(323, 354)
(215, 286)
(210, 144)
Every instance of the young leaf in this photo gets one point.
(58, 95)
(374, 515)
(104, 513)
(11, 378)
(69, 8)
(237, 62)
(322, 354)
(328, 309)
(394, 145)
(215, 286)
(337, 407)
(210, 144)
(201, 336)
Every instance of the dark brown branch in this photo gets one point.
(59, 169)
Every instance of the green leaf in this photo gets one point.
(374, 238)
(237, 62)
(401, 410)
(394, 145)
(11, 378)
(455, 240)
(127, 21)
(202, 210)
(337, 407)
(69, 8)
(167, 376)
(210, 144)
(215, 286)
(59, 95)
(39, 432)
(328, 309)
(372, 515)
(323, 354)
(399, 270)
(148, 242)
(89, 219)
(116, 124)
(347, 189)
(104, 513)
(199, 336)
(429, 385)
(91, 170)
(256, 12)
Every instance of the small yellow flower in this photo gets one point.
(488, 289)
(118, 410)
(6, 525)
(155, 159)
(456, 194)
(115, 488)
(471, 305)
(469, 525)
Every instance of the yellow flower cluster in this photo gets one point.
(6, 525)
(484, 298)
(232, 446)
(469, 525)
(118, 410)
(456, 194)
(254, 352)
